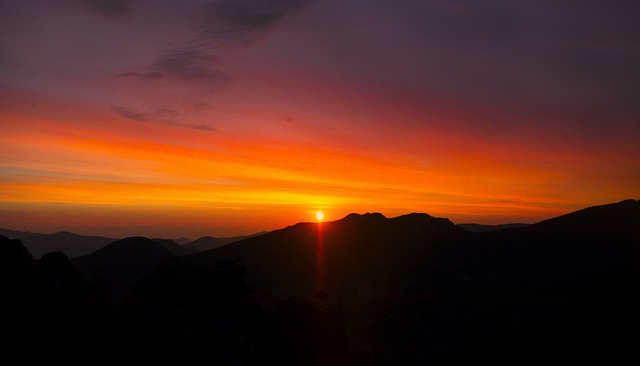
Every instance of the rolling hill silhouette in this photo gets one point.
(208, 242)
(205, 243)
(123, 262)
(182, 241)
(72, 245)
(173, 247)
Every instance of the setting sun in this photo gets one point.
(319, 215)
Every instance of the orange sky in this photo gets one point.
(128, 128)
(60, 173)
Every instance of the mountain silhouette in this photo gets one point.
(424, 290)
(616, 222)
(182, 241)
(174, 248)
(369, 260)
(72, 245)
(205, 243)
(362, 245)
(208, 242)
(123, 262)
(362, 290)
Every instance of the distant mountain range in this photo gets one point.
(74, 245)
(362, 290)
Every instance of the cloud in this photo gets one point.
(183, 63)
(163, 115)
(129, 114)
(108, 8)
(243, 21)
(221, 24)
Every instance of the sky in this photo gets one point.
(216, 117)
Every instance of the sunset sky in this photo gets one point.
(208, 117)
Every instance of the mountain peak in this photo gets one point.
(366, 216)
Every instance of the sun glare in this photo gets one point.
(319, 215)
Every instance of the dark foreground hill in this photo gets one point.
(49, 315)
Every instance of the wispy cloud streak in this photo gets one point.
(160, 115)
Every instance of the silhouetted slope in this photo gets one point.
(13, 234)
(175, 248)
(122, 262)
(16, 268)
(232, 239)
(182, 241)
(616, 222)
(12, 251)
(72, 245)
(478, 228)
(589, 254)
(568, 286)
(208, 242)
(205, 243)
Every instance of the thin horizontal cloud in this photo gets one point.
(182, 63)
(243, 21)
(163, 115)
(129, 114)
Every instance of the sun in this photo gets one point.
(319, 215)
